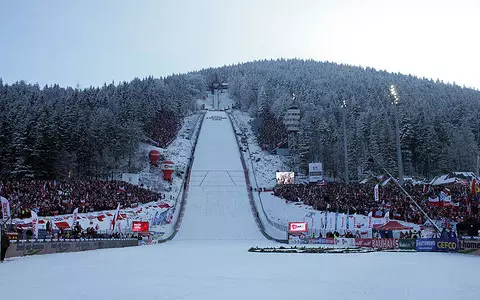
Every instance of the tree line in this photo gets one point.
(439, 122)
(52, 132)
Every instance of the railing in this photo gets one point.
(184, 189)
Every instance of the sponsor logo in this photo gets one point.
(447, 245)
(297, 227)
(385, 243)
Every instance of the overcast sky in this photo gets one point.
(90, 42)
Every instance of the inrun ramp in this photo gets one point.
(217, 206)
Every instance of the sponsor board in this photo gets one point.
(345, 242)
(385, 243)
(138, 226)
(363, 242)
(407, 244)
(36, 247)
(468, 244)
(315, 172)
(425, 244)
(297, 227)
(446, 245)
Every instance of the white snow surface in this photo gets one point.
(217, 205)
(225, 270)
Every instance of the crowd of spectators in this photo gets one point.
(359, 198)
(50, 198)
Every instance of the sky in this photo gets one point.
(91, 42)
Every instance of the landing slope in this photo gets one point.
(217, 206)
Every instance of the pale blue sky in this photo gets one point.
(91, 42)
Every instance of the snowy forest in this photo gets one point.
(54, 132)
(439, 123)
(51, 132)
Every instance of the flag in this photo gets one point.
(370, 224)
(75, 217)
(115, 217)
(34, 224)
(426, 189)
(387, 217)
(376, 194)
(5, 208)
(433, 201)
(43, 190)
(445, 200)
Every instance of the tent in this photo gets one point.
(453, 178)
(394, 225)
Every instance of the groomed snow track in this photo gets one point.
(217, 202)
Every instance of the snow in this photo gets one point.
(225, 270)
(217, 205)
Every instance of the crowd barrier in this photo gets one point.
(423, 244)
(24, 248)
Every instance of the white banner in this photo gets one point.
(315, 172)
(115, 216)
(376, 193)
(345, 242)
(5, 208)
(35, 224)
(370, 216)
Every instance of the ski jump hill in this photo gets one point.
(217, 206)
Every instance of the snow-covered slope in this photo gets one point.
(217, 206)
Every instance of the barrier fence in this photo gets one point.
(423, 244)
(24, 248)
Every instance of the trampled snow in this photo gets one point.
(218, 206)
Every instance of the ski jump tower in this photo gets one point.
(292, 123)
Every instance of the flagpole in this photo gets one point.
(406, 193)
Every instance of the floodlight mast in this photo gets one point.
(406, 193)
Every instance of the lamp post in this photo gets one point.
(345, 151)
(395, 101)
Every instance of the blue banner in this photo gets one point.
(425, 245)
(447, 245)
(440, 245)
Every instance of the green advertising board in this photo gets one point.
(407, 244)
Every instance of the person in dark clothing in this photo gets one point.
(5, 244)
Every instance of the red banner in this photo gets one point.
(138, 226)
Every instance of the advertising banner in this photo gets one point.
(363, 242)
(469, 244)
(138, 226)
(407, 244)
(425, 244)
(345, 242)
(385, 243)
(315, 172)
(447, 245)
(297, 227)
